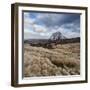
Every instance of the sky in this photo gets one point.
(41, 25)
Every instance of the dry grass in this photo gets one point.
(61, 60)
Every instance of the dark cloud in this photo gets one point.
(50, 19)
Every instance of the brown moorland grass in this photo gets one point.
(63, 59)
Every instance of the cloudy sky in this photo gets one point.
(39, 25)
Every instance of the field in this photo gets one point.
(62, 59)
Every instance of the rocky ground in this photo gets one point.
(61, 60)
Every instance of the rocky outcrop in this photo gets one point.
(57, 36)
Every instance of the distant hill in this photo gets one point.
(56, 38)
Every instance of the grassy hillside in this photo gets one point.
(63, 59)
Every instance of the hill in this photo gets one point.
(63, 59)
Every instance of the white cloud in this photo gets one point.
(39, 28)
(45, 32)
(26, 14)
(69, 32)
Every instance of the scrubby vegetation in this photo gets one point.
(63, 59)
